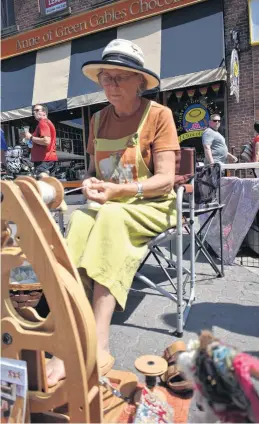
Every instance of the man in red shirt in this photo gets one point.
(43, 152)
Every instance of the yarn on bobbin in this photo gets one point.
(50, 190)
(47, 191)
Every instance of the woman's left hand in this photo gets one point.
(101, 192)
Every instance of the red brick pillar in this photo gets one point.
(241, 115)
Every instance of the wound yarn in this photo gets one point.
(47, 191)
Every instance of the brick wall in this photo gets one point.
(241, 115)
(255, 55)
(27, 11)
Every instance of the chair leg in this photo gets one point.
(221, 243)
(154, 286)
(200, 240)
(171, 255)
(144, 261)
(207, 221)
(171, 250)
(192, 247)
(202, 248)
(179, 270)
(164, 270)
(61, 222)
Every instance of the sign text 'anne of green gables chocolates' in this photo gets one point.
(112, 15)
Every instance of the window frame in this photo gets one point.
(10, 16)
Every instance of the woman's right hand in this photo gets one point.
(87, 183)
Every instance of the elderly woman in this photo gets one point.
(129, 187)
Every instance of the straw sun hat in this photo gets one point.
(121, 54)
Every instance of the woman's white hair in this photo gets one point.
(143, 85)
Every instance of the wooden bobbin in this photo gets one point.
(56, 184)
(59, 191)
(151, 366)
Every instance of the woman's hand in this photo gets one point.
(87, 184)
(100, 191)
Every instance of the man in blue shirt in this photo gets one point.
(3, 146)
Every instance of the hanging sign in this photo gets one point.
(193, 120)
(215, 88)
(191, 92)
(179, 95)
(53, 6)
(203, 90)
(111, 15)
(234, 75)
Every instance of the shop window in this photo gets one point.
(7, 17)
(254, 21)
(192, 108)
(50, 8)
(69, 141)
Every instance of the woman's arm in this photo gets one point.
(163, 152)
(91, 171)
(160, 183)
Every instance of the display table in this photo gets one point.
(71, 184)
(241, 200)
(236, 166)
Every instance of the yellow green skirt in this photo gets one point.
(109, 242)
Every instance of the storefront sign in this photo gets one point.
(193, 120)
(234, 75)
(254, 21)
(115, 14)
(53, 6)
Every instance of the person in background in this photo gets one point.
(256, 146)
(3, 147)
(43, 152)
(214, 144)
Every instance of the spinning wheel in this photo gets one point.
(68, 332)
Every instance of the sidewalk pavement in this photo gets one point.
(228, 306)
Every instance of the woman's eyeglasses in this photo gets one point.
(216, 120)
(106, 80)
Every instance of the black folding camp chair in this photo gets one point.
(184, 275)
(207, 202)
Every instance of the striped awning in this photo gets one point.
(184, 47)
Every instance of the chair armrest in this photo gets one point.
(180, 180)
(188, 188)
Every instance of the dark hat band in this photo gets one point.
(123, 59)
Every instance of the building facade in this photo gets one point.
(189, 43)
(241, 115)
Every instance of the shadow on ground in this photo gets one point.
(139, 291)
(232, 317)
